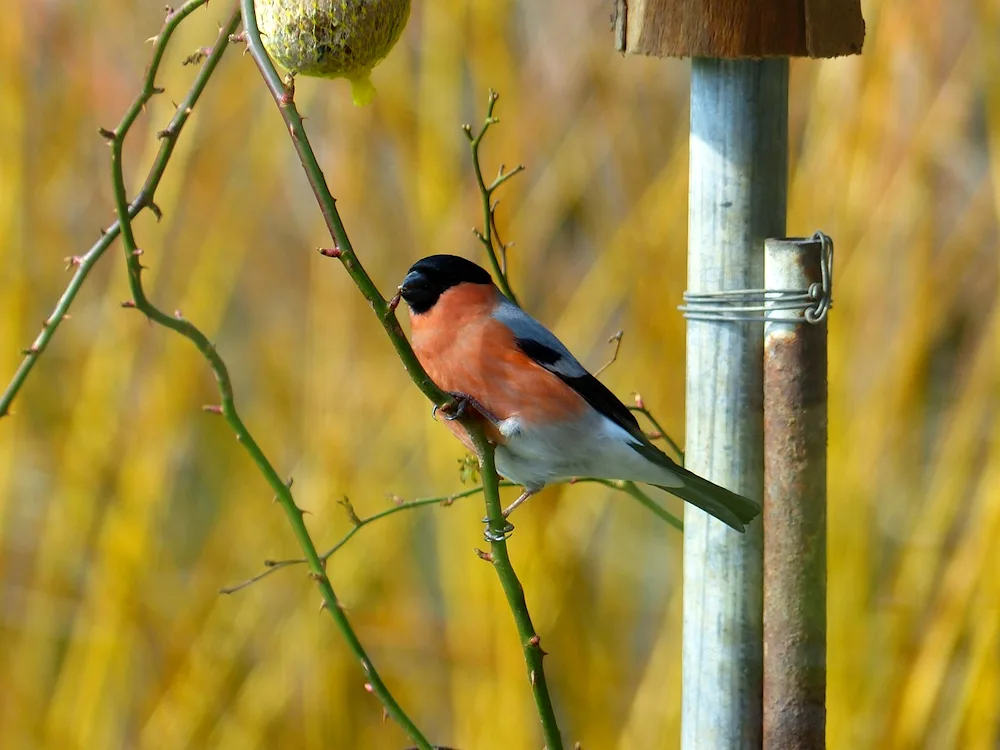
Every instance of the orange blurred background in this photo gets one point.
(124, 508)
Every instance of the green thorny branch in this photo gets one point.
(185, 328)
(209, 59)
(284, 97)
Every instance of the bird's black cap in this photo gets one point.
(432, 276)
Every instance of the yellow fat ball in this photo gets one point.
(332, 38)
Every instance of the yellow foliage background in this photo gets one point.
(124, 508)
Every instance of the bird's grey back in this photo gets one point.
(526, 328)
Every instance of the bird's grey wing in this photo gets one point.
(539, 343)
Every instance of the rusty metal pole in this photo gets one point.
(795, 437)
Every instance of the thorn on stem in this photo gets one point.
(155, 210)
(329, 252)
(638, 401)
(212, 409)
(30, 351)
(369, 688)
(108, 135)
(72, 261)
(535, 642)
(483, 555)
(128, 304)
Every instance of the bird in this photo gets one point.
(549, 419)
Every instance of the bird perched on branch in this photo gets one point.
(549, 418)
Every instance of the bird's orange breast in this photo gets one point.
(465, 350)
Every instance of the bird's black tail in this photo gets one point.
(732, 509)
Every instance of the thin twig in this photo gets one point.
(640, 408)
(144, 198)
(489, 231)
(617, 341)
(272, 566)
(632, 490)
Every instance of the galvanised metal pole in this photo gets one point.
(738, 184)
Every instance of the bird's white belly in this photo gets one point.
(534, 458)
(590, 447)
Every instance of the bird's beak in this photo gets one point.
(414, 280)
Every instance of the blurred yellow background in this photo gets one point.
(124, 508)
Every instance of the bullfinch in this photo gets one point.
(549, 418)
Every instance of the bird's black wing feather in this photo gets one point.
(594, 392)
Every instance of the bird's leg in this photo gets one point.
(510, 508)
(524, 496)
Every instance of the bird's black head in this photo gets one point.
(432, 276)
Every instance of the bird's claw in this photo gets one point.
(501, 535)
(452, 411)
(458, 408)
(461, 403)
